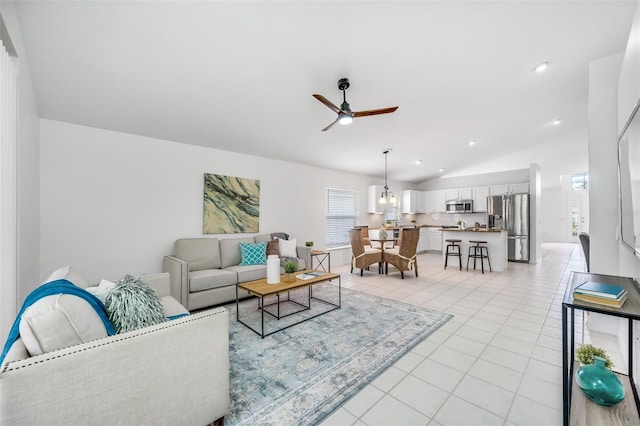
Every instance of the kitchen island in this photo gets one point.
(496, 244)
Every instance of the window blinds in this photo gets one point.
(341, 214)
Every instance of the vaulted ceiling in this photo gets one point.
(239, 76)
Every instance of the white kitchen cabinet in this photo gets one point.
(480, 195)
(423, 241)
(512, 188)
(428, 201)
(439, 201)
(373, 199)
(499, 189)
(435, 239)
(519, 188)
(465, 194)
(409, 201)
(420, 204)
(451, 194)
(435, 201)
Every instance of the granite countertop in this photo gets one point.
(472, 230)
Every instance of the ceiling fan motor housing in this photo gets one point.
(343, 84)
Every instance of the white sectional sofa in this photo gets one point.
(204, 271)
(176, 372)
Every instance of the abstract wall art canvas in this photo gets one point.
(231, 204)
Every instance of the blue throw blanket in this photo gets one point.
(49, 289)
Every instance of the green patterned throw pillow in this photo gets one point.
(133, 304)
(253, 253)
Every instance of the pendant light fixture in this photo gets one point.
(387, 197)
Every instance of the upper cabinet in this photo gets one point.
(434, 201)
(409, 201)
(465, 194)
(519, 188)
(480, 195)
(451, 194)
(373, 199)
(421, 207)
(499, 189)
(413, 201)
(458, 194)
(512, 188)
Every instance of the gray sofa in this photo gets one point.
(204, 271)
(173, 373)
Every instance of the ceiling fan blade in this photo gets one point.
(374, 112)
(329, 126)
(328, 103)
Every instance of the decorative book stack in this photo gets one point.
(603, 294)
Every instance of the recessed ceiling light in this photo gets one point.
(541, 67)
(556, 122)
(472, 143)
(418, 162)
(441, 170)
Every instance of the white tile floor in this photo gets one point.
(498, 361)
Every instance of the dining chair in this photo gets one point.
(404, 255)
(361, 258)
(585, 243)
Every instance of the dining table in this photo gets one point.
(382, 242)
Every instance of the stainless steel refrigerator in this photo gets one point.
(511, 213)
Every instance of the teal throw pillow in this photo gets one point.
(253, 253)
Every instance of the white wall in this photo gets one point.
(603, 164)
(114, 203)
(628, 92)
(28, 191)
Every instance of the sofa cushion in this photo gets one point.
(288, 248)
(230, 251)
(58, 321)
(70, 274)
(262, 237)
(201, 253)
(133, 304)
(253, 253)
(249, 273)
(211, 278)
(172, 308)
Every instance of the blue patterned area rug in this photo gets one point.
(300, 375)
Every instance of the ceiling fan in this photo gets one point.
(345, 115)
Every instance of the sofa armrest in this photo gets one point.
(304, 252)
(161, 282)
(146, 376)
(179, 277)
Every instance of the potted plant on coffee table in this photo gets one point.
(290, 269)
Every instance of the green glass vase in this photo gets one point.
(600, 384)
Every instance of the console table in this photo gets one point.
(577, 408)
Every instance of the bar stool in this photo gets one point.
(453, 249)
(478, 251)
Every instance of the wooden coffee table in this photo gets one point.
(281, 291)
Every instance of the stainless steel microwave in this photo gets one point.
(459, 206)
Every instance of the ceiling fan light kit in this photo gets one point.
(345, 115)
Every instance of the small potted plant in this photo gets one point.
(308, 243)
(290, 269)
(587, 351)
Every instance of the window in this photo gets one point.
(341, 215)
(580, 181)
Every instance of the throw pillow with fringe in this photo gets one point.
(133, 304)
